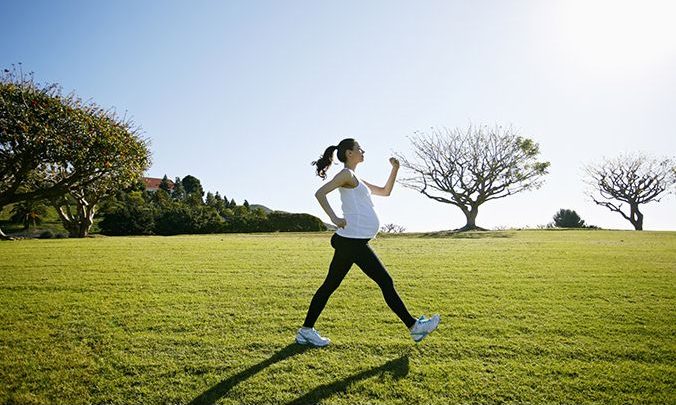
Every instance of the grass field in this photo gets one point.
(527, 317)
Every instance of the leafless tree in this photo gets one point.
(392, 228)
(472, 166)
(633, 179)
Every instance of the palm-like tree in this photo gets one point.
(29, 213)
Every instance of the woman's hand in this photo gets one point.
(394, 162)
(339, 222)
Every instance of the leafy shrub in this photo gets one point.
(287, 222)
(129, 214)
(184, 219)
(565, 218)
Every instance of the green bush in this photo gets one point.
(565, 218)
(128, 214)
(287, 222)
(46, 235)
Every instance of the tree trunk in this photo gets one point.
(636, 217)
(77, 225)
(4, 237)
(2, 234)
(470, 216)
(83, 222)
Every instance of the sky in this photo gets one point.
(245, 94)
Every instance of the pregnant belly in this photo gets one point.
(363, 225)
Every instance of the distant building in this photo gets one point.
(153, 184)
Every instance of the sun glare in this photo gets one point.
(618, 36)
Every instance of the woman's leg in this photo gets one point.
(370, 264)
(340, 265)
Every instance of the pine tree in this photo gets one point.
(179, 192)
(210, 200)
(165, 184)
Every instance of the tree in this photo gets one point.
(178, 193)
(192, 185)
(29, 212)
(108, 132)
(52, 145)
(128, 214)
(193, 190)
(633, 179)
(473, 166)
(210, 199)
(568, 219)
(392, 228)
(165, 184)
(161, 199)
(36, 122)
(220, 204)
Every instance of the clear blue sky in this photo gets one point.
(244, 94)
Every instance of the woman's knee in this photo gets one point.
(328, 287)
(385, 281)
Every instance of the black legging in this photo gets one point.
(350, 251)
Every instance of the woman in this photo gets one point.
(359, 225)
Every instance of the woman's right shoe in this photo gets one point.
(309, 336)
(424, 327)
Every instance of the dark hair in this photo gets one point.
(326, 158)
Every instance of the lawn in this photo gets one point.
(527, 317)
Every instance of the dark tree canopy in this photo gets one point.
(192, 185)
(565, 218)
(470, 167)
(632, 179)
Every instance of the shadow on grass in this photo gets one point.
(468, 234)
(398, 368)
(221, 389)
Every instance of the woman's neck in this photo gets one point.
(351, 166)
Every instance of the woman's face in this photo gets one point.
(357, 152)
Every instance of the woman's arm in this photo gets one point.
(344, 177)
(387, 190)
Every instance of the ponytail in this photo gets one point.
(324, 161)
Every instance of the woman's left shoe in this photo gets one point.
(309, 336)
(424, 327)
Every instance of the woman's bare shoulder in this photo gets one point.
(346, 178)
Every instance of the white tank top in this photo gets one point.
(362, 220)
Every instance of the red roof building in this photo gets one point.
(153, 184)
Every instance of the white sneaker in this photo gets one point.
(309, 336)
(424, 327)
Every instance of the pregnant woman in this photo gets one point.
(356, 228)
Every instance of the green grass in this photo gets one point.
(527, 317)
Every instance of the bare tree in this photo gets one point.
(632, 179)
(392, 228)
(472, 166)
